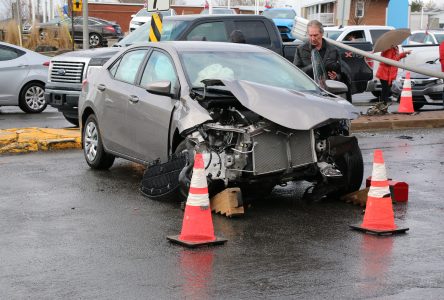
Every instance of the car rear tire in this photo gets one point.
(31, 98)
(95, 155)
(95, 40)
(376, 94)
(73, 121)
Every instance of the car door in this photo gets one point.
(150, 114)
(115, 89)
(13, 65)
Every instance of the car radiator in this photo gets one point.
(278, 151)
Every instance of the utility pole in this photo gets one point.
(19, 22)
(33, 11)
(85, 25)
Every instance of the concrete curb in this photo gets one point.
(22, 140)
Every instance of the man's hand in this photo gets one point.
(332, 75)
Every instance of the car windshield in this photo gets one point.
(439, 37)
(332, 34)
(279, 14)
(170, 32)
(251, 66)
(218, 11)
(145, 13)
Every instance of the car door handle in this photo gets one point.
(101, 87)
(133, 99)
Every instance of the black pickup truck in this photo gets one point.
(67, 71)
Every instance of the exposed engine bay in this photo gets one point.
(240, 148)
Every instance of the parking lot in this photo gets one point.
(69, 232)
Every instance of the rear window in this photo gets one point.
(376, 34)
(332, 34)
(255, 32)
(279, 14)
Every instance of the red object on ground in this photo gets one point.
(399, 190)
(406, 102)
(379, 217)
(197, 225)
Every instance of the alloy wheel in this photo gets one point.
(94, 40)
(35, 98)
(91, 141)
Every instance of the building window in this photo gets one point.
(359, 13)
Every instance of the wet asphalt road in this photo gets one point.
(70, 232)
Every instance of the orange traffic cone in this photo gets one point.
(406, 102)
(197, 226)
(379, 218)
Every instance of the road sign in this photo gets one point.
(155, 5)
(77, 5)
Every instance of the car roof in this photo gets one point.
(199, 16)
(428, 31)
(202, 46)
(357, 27)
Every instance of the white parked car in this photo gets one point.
(358, 33)
(431, 37)
(23, 74)
(143, 16)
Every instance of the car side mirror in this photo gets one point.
(162, 87)
(336, 87)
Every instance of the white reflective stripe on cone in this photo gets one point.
(406, 94)
(199, 179)
(378, 192)
(407, 84)
(379, 173)
(198, 200)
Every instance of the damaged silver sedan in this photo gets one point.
(258, 120)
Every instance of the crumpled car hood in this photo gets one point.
(291, 109)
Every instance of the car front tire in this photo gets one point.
(31, 98)
(95, 155)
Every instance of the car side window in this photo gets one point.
(114, 67)
(129, 65)
(418, 37)
(255, 32)
(7, 53)
(376, 34)
(213, 31)
(159, 67)
(429, 39)
(355, 36)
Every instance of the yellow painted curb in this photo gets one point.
(20, 140)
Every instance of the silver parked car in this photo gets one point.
(23, 74)
(258, 119)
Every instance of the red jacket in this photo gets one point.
(387, 72)
(441, 55)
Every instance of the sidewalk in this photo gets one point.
(20, 140)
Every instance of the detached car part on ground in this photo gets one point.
(159, 103)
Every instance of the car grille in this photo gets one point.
(71, 72)
(272, 150)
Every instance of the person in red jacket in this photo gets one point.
(441, 60)
(387, 73)
(441, 55)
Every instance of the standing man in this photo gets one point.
(329, 53)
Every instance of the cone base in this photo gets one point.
(379, 232)
(175, 239)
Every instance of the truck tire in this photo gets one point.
(376, 94)
(73, 121)
(95, 154)
(32, 99)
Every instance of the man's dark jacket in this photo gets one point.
(331, 59)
